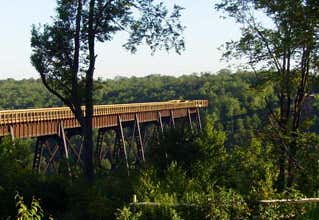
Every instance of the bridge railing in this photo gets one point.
(8, 117)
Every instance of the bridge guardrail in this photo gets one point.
(8, 117)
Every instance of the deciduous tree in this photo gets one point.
(64, 50)
(284, 41)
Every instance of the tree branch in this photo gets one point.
(100, 13)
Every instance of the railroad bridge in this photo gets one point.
(53, 129)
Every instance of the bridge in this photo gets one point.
(53, 128)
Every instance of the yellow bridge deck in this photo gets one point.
(45, 121)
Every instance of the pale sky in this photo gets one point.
(205, 32)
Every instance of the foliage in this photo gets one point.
(286, 44)
(251, 170)
(232, 97)
(15, 154)
(151, 212)
(312, 213)
(283, 210)
(210, 163)
(261, 126)
(35, 211)
(63, 52)
(28, 93)
(225, 204)
(222, 171)
(307, 156)
(174, 191)
(126, 214)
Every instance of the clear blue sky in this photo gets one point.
(205, 32)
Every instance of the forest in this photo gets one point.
(223, 171)
(257, 156)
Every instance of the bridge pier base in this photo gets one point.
(38, 154)
(44, 150)
(45, 153)
(100, 154)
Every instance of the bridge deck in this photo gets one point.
(45, 121)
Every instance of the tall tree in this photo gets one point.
(64, 50)
(285, 42)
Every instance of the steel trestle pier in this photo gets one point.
(54, 127)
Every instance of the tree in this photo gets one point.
(286, 43)
(64, 51)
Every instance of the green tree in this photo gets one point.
(64, 51)
(285, 43)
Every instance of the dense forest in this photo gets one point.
(222, 172)
(257, 156)
(235, 102)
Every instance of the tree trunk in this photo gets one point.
(88, 130)
(88, 148)
(281, 180)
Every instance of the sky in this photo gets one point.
(205, 33)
